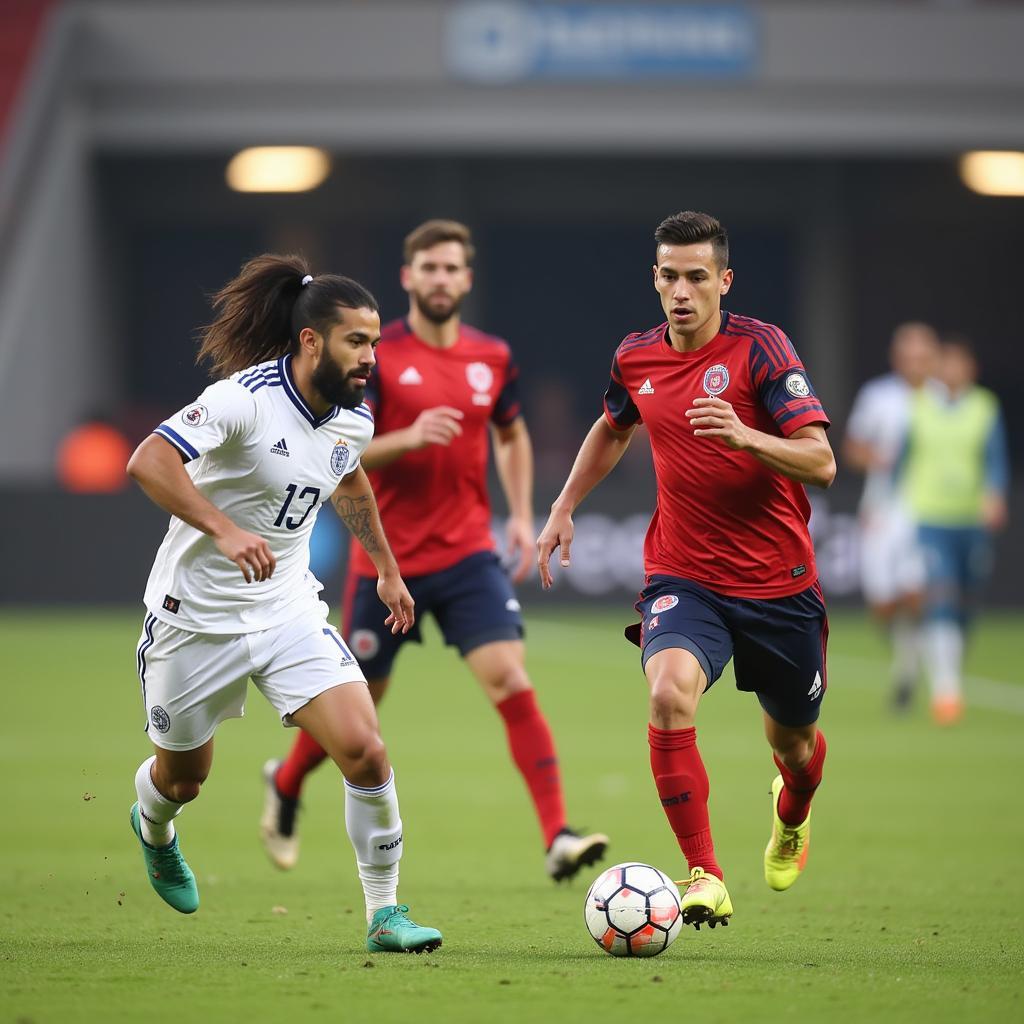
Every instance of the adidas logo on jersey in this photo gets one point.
(647, 388)
(410, 375)
(281, 448)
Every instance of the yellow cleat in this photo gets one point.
(786, 853)
(705, 901)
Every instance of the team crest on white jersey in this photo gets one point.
(410, 375)
(796, 384)
(716, 379)
(340, 457)
(480, 377)
(195, 416)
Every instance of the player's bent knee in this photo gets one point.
(183, 791)
(672, 700)
(365, 763)
(794, 749)
(508, 684)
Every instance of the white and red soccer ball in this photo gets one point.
(633, 910)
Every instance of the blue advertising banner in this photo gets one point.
(502, 41)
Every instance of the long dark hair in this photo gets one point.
(260, 313)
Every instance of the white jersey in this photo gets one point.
(879, 418)
(257, 451)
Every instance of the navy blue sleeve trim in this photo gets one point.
(619, 406)
(178, 441)
(507, 405)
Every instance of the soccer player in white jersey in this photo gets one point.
(892, 565)
(243, 471)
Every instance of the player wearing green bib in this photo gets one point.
(954, 477)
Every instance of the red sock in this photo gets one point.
(304, 756)
(798, 787)
(683, 787)
(533, 750)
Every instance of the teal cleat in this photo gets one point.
(390, 931)
(168, 873)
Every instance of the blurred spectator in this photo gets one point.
(891, 561)
(955, 474)
(92, 458)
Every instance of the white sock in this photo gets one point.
(374, 827)
(944, 653)
(156, 812)
(906, 650)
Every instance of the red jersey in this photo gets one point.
(723, 519)
(434, 502)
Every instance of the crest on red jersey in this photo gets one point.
(716, 379)
(796, 385)
(480, 376)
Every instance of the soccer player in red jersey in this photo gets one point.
(439, 390)
(736, 431)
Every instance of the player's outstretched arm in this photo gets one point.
(356, 506)
(598, 455)
(440, 425)
(513, 459)
(157, 468)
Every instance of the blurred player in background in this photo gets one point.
(955, 473)
(892, 564)
(736, 431)
(230, 595)
(439, 389)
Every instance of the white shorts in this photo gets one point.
(191, 682)
(891, 560)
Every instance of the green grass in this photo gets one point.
(911, 907)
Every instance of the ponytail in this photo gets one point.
(261, 312)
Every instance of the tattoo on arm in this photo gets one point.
(357, 515)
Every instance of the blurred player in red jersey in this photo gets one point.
(736, 431)
(439, 389)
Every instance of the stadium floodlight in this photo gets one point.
(993, 172)
(278, 169)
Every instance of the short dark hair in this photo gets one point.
(690, 227)
(433, 232)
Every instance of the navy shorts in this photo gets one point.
(779, 644)
(472, 601)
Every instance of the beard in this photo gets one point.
(337, 387)
(437, 314)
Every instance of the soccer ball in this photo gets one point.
(633, 910)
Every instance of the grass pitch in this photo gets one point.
(911, 909)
